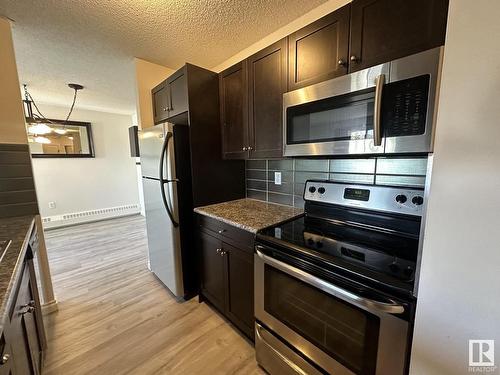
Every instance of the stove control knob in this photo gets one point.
(401, 198)
(417, 200)
(321, 190)
(408, 271)
(312, 189)
(394, 268)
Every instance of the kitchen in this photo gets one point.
(315, 197)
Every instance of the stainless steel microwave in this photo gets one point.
(389, 108)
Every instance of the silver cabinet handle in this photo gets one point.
(297, 369)
(391, 308)
(244, 148)
(342, 62)
(221, 231)
(377, 130)
(354, 58)
(218, 251)
(249, 148)
(5, 358)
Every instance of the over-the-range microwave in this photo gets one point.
(389, 108)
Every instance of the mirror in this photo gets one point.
(60, 139)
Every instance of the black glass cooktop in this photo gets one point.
(368, 251)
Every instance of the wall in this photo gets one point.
(260, 174)
(282, 32)
(11, 109)
(147, 76)
(75, 185)
(459, 294)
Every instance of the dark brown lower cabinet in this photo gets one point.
(227, 279)
(22, 341)
(212, 270)
(239, 291)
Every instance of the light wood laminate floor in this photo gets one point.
(116, 318)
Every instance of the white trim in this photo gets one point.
(73, 218)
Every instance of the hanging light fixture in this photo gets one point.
(39, 128)
(38, 119)
(43, 140)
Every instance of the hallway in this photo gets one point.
(110, 305)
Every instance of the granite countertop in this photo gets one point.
(18, 230)
(249, 214)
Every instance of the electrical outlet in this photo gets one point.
(277, 178)
(52, 204)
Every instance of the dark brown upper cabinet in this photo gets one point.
(384, 30)
(170, 98)
(177, 92)
(233, 111)
(161, 102)
(319, 51)
(267, 82)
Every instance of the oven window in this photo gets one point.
(346, 117)
(345, 332)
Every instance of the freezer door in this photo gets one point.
(151, 143)
(163, 238)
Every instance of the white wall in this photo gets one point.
(459, 294)
(108, 180)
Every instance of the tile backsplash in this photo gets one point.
(260, 175)
(17, 188)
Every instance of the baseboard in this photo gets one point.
(50, 307)
(57, 221)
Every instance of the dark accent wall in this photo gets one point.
(17, 188)
(389, 171)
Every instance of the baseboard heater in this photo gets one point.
(56, 221)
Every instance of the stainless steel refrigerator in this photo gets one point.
(161, 200)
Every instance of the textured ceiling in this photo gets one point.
(93, 42)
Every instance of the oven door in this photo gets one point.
(334, 329)
(334, 117)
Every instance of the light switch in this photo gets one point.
(277, 178)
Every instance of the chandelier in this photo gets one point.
(38, 124)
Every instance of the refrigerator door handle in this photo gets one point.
(163, 181)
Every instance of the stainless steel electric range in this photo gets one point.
(334, 288)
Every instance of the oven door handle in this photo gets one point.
(377, 126)
(369, 304)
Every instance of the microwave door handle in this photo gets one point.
(163, 181)
(333, 290)
(377, 127)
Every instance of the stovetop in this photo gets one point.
(369, 253)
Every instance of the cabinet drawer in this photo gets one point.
(227, 232)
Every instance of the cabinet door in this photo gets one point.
(234, 116)
(178, 94)
(384, 30)
(240, 296)
(319, 51)
(267, 81)
(161, 102)
(6, 361)
(26, 346)
(213, 283)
